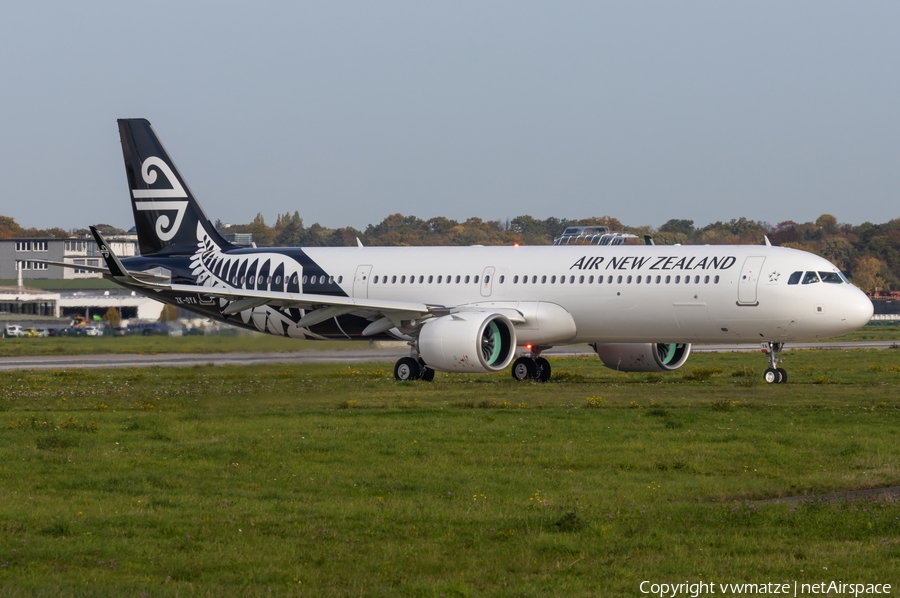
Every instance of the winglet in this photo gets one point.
(116, 269)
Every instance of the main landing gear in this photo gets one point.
(774, 374)
(531, 367)
(409, 368)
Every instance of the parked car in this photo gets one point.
(31, 333)
(43, 332)
(93, 331)
(13, 331)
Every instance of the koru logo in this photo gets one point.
(773, 277)
(104, 251)
(146, 199)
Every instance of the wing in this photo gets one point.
(143, 276)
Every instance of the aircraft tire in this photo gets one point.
(427, 374)
(406, 369)
(771, 376)
(543, 367)
(784, 377)
(523, 369)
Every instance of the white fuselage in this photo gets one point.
(647, 294)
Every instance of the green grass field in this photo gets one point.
(335, 480)
(17, 347)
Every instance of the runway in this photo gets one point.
(388, 355)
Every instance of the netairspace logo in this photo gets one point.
(701, 588)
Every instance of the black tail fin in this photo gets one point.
(166, 215)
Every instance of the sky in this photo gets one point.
(348, 112)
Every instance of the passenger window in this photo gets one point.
(340, 279)
(795, 278)
(475, 280)
(502, 278)
(590, 280)
(619, 279)
(304, 279)
(421, 279)
(393, 279)
(716, 279)
(376, 280)
(599, 280)
(609, 279)
(629, 280)
(430, 279)
(638, 280)
(677, 279)
(831, 277)
(457, 279)
(516, 279)
(562, 280)
(467, 279)
(706, 279)
(810, 278)
(697, 279)
(402, 279)
(668, 279)
(581, 280)
(534, 279)
(487, 279)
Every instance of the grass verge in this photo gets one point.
(334, 480)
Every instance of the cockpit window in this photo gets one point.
(795, 278)
(810, 277)
(831, 277)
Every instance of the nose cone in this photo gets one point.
(858, 310)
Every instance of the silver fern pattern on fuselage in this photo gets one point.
(258, 271)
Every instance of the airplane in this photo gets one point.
(477, 309)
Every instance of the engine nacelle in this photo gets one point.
(643, 357)
(471, 342)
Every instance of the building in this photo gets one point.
(16, 254)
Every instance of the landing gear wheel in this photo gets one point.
(427, 374)
(543, 369)
(774, 374)
(406, 369)
(524, 368)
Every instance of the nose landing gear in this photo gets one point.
(774, 374)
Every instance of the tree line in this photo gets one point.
(869, 253)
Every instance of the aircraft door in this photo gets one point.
(749, 278)
(487, 281)
(361, 281)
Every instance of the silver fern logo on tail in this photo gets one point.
(149, 199)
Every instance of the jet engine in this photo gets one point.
(643, 357)
(470, 342)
